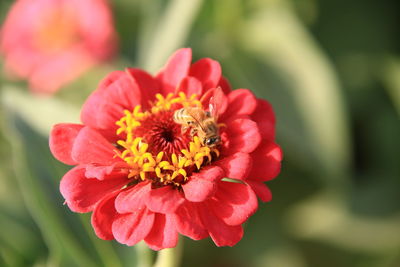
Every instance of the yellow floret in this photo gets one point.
(143, 164)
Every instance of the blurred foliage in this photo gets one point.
(331, 69)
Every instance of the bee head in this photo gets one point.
(212, 141)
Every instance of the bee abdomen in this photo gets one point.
(179, 116)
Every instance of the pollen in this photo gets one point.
(156, 148)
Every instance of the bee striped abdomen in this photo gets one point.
(182, 117)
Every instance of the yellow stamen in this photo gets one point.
(166, 168)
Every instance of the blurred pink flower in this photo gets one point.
(51, 42)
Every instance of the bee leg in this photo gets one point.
(184, 129)
(222, 125)
(193, 131)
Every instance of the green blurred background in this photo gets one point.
(330, 68)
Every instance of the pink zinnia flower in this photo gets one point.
(51, 42)
(146, 179)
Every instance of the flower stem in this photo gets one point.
(169, 257)
(144, 257)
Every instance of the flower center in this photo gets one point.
(154, 145)
(56, 30)
(162, 133)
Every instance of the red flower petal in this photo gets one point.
(266, 161)
(103, 217)
(234, 203)
(110, 79)
(215, 98)
(98, 172)
(240, 102)
(207, 71)
(188, 222)
(244, 136)
(81, 194)
(202, 185)
(190, 85)
(105, 106)
(164, 200)
(131, 210)
(106, 172)
(265, 118)
(131, 228)
(224, 84)
(149, 86)
(163, 234)
(92, 147)
(261, 190)
(236, 166)
(62, 137)
(175, 70)
(221, 233)
(133, 198)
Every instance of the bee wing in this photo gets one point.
(188, 117)
(195, 119)
(215, 102)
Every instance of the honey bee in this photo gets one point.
(201, 122)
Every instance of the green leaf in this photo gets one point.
(69, 237)
(232, 180)
(325, 217)
(40, 112)
(19, 238)
(34, 171)
(279, 39)
(168, 34)
(391, 77)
